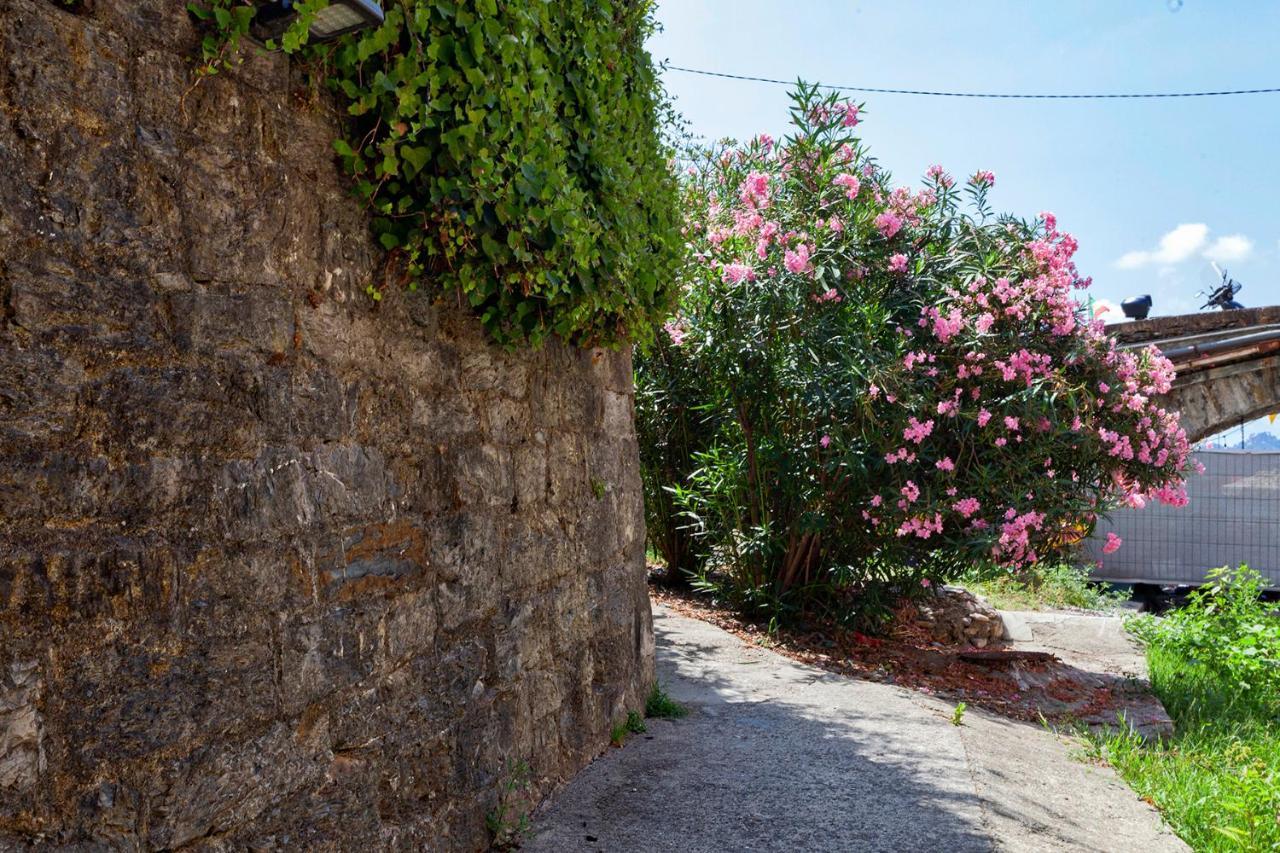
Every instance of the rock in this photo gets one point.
(953, 615)
(1016, 628)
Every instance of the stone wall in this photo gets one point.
(278, 567)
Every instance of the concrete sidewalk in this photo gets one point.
(776, 755)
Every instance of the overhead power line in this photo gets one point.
(1078, 96)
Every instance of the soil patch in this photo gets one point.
(1021, 685)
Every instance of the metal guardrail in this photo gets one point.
(1233, 517)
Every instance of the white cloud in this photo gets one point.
(1235, 247)
(1107, 311)
(1133, 260)
(1176, 246)
(1185, 241)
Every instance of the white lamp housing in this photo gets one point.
(338, 18)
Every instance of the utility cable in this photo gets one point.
(1079, 96)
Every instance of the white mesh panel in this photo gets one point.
(1233, 518)
(336, 18)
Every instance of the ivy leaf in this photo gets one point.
(417, 157)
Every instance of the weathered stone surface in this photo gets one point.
(1203, 323)
(278, 568)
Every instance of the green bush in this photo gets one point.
(1225, 632)
(866, 386)
(510, 152)
(1214, 664)
(674, 426)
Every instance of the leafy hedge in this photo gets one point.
(512, 151)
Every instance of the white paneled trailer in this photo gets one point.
(1233, 517)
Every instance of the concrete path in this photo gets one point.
(776, 755)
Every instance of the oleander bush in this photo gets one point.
(868, 384)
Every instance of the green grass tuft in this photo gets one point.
(633, 724)
(1040, 587)
(662, 706)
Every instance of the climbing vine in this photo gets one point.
(510, 152)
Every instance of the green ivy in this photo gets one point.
(511, 152)
(227, 23)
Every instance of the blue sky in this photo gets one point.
(1151, 189)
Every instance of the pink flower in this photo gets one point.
(1113, 544)
(898, 263)
(983, 178)
(734, 273)
(888, 224)
(850, 183)
(945, 464)
(940, 175)
(921, 526)
(917, 431)
(983, 417)
(797, 261)
(755, 190)
(945, 326)
(831, 295)
(911, 491)
(825, 441)
(1011, 422)
(900, 455)
(924, 582)
(676, 330)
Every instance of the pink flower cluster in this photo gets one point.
(1033, 355)
(849, 182)
(797, 261)
(917, 431)
(888, 224)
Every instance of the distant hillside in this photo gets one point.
(1259, 441)
(1262, 441)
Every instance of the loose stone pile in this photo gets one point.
(954, 616)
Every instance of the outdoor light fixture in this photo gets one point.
(1136, 307)
(338, 18)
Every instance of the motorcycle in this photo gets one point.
(1224, 295)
